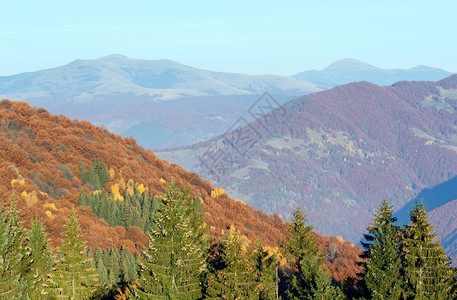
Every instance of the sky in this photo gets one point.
(253, 37)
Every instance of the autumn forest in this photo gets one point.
(87, 214)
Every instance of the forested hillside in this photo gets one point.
(52, 164)
(339, 152)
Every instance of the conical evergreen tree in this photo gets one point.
(101, 172)
(236, 279)
(101, 269)
(266, 268)
(114, 266)
(74, 276)
(41, 260)
(128, 266)
(427, 269)
(383, 266)
(174, 259)
(14, 261)
(310, 281)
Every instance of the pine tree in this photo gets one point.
(427, 269)
(41, 260)
(310, 281)
(236, 278)
(74, 276)
(383, 266)
(174, 259)
(14, 261)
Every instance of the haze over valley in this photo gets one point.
(237, 150)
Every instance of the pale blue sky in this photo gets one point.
(254, 37)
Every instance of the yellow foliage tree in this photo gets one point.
(122, 184)
(217, 192)
(141, 188)
(233, 233)
(276, 251)
(116, 194)
(51, 206)
(30, 198)
(17, 182)
(130, 189)
(111, 173)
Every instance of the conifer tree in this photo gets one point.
(14, 261)
(128, 266)
(101, 172)
(174, 259)
(310, 281)
(96, 177)
(41, 260)
(113, 264)
(101, 270)
(427, 269)
(236, 278)
(383, 266)
(266, 278)
(74, 275)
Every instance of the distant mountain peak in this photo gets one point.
(351, 70)
(424, 68)
(114, 56)
(349, 64)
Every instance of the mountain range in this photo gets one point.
(83, 80)
(338, 153)
(164, 104)
(350, 70)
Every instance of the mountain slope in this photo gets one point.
(165, 104)
(338, 153)
(83, 80)
(41, 156)
(350, 70)
(127, 95)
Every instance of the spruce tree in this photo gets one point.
(310, 281)
(383, 266)
(101, 172)
(174, 259)
(14, 261)
(74, 275)
(101, 270)
(41, 260)
(113, 264)
(128, 266)
(427, 269)
(266, 276)
(236, 276)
